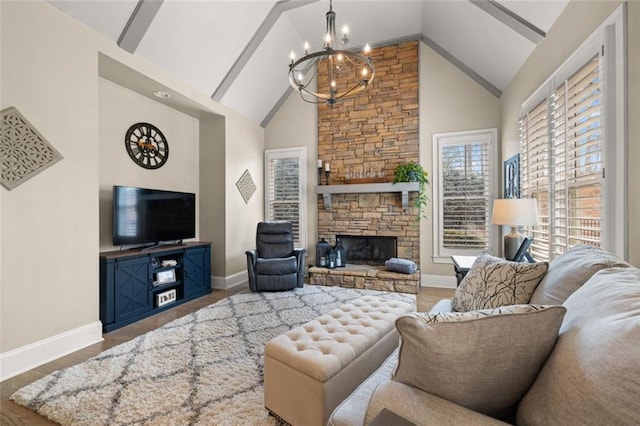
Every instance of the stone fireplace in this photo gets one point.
(373, 228)
(373, 215)
(376, 130)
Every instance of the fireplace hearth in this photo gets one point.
(368, 250)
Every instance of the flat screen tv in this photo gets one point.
(142, 216)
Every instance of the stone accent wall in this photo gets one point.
(376, 129)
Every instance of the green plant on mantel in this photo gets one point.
(413, 172)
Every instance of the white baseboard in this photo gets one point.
(225, 283)
(32, 355)
(439, 281)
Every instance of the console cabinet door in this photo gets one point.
(197, 271)
(131, 285)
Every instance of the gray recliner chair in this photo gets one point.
(275, 265)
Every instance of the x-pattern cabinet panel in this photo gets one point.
(131, 285)
(197, 263)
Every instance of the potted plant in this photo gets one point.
(413, 172)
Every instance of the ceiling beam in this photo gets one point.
(267, 23)
(510, 19)
(138, 24)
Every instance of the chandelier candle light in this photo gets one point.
(348, 72)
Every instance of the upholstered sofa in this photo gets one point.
(499, 366)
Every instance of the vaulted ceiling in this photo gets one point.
(237, 51)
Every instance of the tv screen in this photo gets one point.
(143, 215)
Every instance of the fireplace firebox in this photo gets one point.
(368, 250)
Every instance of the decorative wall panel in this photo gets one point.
(24, 152)
(246, 186)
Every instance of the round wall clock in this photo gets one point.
(147, 146)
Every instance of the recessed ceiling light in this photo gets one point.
(161, 94)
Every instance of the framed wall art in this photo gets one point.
(512, 177)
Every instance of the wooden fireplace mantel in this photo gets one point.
(362, 188)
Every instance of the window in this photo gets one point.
(567, 138)
(285, 189)
(464, 172)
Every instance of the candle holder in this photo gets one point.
(326, 174)
(320, 175)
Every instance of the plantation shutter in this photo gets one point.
(284, 192)
(534, 173)
(562, 163)
(578, 106)
(465, 195)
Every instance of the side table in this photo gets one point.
(461, 265)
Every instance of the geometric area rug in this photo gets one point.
(205, 368)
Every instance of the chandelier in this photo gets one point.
(347, 72)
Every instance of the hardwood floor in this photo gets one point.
(13, 414)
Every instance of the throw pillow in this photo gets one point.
(492, 282)
(569, 271)
(401, 265)
(593, 374)
(484, 360)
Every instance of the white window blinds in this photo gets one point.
(284, 197)
(577, 106)
(465, 196)
(465, 177)
(562, 164)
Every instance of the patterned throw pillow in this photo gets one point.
(493, 282)
(483, 360)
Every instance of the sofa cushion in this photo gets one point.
(353, 410)
(492, 282)
(593, 374)
(484, 360)
(571, 270)
(443, 305)
(415, 407)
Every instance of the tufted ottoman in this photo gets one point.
(310, 369)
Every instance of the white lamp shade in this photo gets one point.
(515, 212)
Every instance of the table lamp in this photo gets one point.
(514, 212)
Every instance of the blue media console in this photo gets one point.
(135, 284)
